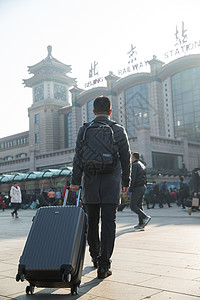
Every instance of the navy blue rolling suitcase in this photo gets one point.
(54, 252)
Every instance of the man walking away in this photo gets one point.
(195, 186)
(156, 195)
(165, 196)
(137, 189)
(106, 174)
(183, 192)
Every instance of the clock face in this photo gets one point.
(39, 93)
(59, 92)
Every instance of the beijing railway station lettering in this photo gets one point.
(133, 68)
(93, 73)
(182, 49)
(182, 46)
(133, 63)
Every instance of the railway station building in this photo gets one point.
(160, 110)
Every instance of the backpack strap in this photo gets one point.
(103, 123)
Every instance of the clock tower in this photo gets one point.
(50, 92)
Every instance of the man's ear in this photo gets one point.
(110, 112)
(94, 112)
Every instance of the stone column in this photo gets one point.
(144, 145)
(32, 159)
(185, 151)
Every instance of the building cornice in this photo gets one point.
(179, 65)
(65, 110)
(40, 78)
(134, 79)
(88, 95)
(14, 136)
(44, 106)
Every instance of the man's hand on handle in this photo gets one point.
(124, 189)
(74, 187)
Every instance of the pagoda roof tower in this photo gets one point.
(49, 69)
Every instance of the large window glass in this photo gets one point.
(90, 114)
(37, 138)
(39, 93)
(167, 161)
(68, 130)
(137, 108)
(186, 103)
(37, 119)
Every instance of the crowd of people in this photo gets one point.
(181, 195)
(47, 197)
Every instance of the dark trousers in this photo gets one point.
(16, 207)
(182, 200)
(101, 248)
(136, 202)
(166, 198)
(156, 198)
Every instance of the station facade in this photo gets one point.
(160, 110)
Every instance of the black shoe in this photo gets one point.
(169, 206)
(138, 226)
(103, 272)
(95, 263)
(12, 214)
(146, 221)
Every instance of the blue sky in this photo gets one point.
(81, 32)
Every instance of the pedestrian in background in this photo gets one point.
(173, 194)
(164, 193)
(196, 182)
(137, 189)
(183, 192)
(195, 188)
(15, 198)
(51, 196)
(58, 197)
(155, 195)
(2, 202)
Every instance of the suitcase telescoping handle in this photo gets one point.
(66, 196)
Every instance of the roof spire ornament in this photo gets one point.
(49, 49)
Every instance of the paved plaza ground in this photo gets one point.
(162, 262)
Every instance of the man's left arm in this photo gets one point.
(125, 156)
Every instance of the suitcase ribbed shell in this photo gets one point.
(54, 239)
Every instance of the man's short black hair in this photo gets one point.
(102, 105)
(136, 155)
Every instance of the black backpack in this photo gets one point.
(99, 153)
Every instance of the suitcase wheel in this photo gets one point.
(20, 277)
(30, 289)
(74, 290)
(66, 277)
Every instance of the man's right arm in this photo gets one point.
(77, 162)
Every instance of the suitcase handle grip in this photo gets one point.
(66, 196)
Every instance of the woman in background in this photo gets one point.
(15, 198)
